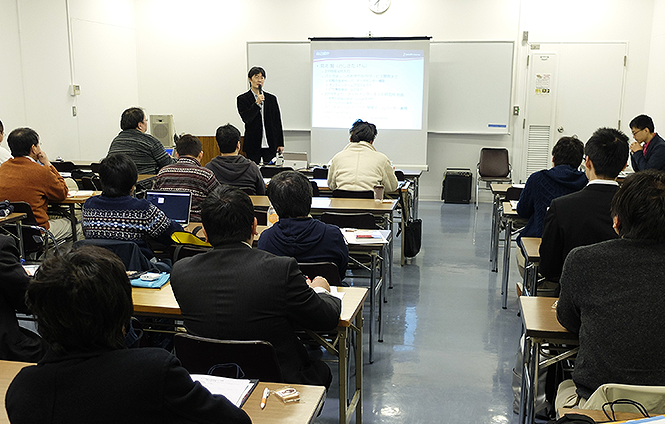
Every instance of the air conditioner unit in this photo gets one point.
(162, 128)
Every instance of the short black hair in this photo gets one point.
(568, 151)
(255, 70)
(640, 206)
(290, 193)
(118, 174)
(227, 137)
(2, 128)
(131, 118)
(608, 150)
(21, 140)
(188, 145)
(641, 122)
(227, 215)
(82, 300)
(362, 131)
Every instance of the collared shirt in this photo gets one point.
(264, 139)
(602, 181)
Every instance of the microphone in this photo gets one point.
(260, 89)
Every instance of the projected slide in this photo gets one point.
(382, 86)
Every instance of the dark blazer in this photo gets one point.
(250, 113)
(16, 343)
(577, 219)
(654, 159)
(139, 386)
(234, 292)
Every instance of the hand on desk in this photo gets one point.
(319, 282)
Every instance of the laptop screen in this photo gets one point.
(175, 204)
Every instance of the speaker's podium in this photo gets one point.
(456, 186)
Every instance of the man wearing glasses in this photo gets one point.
(648, 149)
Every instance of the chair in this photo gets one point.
(327, 270)
(32, 235)
(513, 193)
(493, 167)
(320, 173)
(315, 188)
(255, 358)
(91, 183)
(366, 194)
(65, 166)
(94, 167)
(128, 251)
(271, 171)
(364, 221)
(400, 175)
(186, 245)
(250, 191)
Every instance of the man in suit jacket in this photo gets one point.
(648, 149)
(16, 343)
(239, 293)
(583, 217)
(263, 122)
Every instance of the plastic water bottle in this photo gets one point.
(272, 216)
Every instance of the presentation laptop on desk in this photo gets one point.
(175, 204)
(295, 160)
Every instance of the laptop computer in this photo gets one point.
(295, 160)
(175, 204)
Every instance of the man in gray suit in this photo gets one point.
(239, 293)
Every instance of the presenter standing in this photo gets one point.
(263, 122)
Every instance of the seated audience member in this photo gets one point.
(83, 305)
(16, 342)
(359, 167)
(187, 174)
(583, 217)
(30, 177)
(297, 234)
(612, 296)
(648, 149)
(116, 215)
(544, 186)
(234, 292)
(4, 153)
(230, 167)
(145, 150)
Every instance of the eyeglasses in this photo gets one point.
(635, 132)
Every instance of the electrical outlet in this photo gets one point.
(516, 110)
(73, 110)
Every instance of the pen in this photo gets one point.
(264, 399)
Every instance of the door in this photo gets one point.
(572, 89)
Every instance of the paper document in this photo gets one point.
(513, 204)
(80, 193)
(337, 294)
(354, 236)
(518, 185)
(236, 390)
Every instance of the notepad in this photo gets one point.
(354, 236)
(236, 390)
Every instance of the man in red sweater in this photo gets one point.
(30, 177)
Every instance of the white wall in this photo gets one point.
(191, 56)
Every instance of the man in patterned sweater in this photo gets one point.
(145, 150)
(187, 174)
(116, 215)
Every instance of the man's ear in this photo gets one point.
(616, 224)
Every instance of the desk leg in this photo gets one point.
(372, 307)
(534, 359)
(357, 401)
(19, 232)
(72, 219)
(343, 374)
(390, 265)
(534, 279)
(506, 263)
(527, 385)
(496, 221)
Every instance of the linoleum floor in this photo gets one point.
(449, 348)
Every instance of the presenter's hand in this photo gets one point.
(635, 147)
(260, 98)
(319, 282)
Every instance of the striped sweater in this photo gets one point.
(187, 174)
(146, 151)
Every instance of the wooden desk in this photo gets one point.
(499, 192)
(531, 250)
(540, 325)
(16, 218)
(162, 303)
(275, 412)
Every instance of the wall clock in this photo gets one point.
(378, 6)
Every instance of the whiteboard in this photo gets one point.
(288, 76)
(470, 83)
(470, 86)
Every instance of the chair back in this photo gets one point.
(315, 188)
(327, 270)
(513, 193)
(65, 166)
(94, 167)
(33, 239)
(494, 163)
(271, 171)
(200, 355)
(128, 251)
(363, 221)
(320, 173)
(365, 194)
(186, 245)
(400, 175)
(91, 183)
(250, 191)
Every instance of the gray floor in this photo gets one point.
(449, 348)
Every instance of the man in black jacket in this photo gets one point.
(263, 122)
(583, 217)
